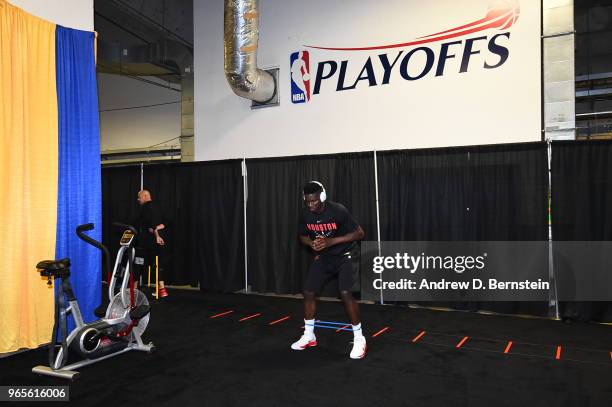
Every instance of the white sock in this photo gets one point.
(309, 327)
(357, 332)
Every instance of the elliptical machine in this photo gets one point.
(125, 320)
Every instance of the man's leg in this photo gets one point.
(148, 269)
(314, 281)
(162, 260)
(351, 306)
(345, 283)
(310, 304)
(139, 269)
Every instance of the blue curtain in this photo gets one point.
(79, 180)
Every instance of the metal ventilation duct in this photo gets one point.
(241, 35)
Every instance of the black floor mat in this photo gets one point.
(207, 356)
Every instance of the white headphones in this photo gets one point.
(323, 194)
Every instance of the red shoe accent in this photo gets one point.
(163, 292)
(310, 344)
(365, 351)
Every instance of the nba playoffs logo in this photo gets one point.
(481, 43)
(300, 77)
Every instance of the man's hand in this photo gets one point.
(158, 239)
(321, 243)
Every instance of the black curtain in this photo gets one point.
(510, 193)
(209, 225)
(496, 193)
(120, 186)
(201, 203)
(277, 261)
(581, 203)
(423, 194)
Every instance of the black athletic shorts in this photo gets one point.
(326, 268)
(142, 270)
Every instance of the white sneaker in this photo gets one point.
(304, 342)
(360, 348)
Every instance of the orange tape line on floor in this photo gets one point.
(279, 320)
(385, 329)
(460, 344)
(221, 314)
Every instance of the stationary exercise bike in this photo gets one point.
(125, 320)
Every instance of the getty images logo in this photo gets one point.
(478, 47)
(300, 77)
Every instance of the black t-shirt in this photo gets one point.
(334, 221)
(148, 218)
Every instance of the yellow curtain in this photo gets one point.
(28, 176)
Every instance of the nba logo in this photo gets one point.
(300, 77)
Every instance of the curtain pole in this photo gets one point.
(551, 269)
(377, 215)
(245, 190)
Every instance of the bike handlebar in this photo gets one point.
(80, 233)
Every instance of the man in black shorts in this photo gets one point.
(332, 233)
(150, 241)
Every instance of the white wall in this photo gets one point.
(125, 122)
(480, 106)
(77, 14)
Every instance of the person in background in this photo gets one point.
(150, 241)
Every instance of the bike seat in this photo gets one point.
(54, 265)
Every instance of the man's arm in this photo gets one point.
(160, 240)
(324, 242)
(157, 221)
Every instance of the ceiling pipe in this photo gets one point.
(241, 36)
